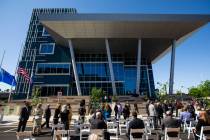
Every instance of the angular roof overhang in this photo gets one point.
(155, 30)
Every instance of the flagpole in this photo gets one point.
(32, 71)
(15, 73)
(26, 65)
(19, 79)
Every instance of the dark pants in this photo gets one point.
(154, 118)
(55, 120)
(66, 125)
(176, 112)
(22, 123)
(47, 121)
(159, 118)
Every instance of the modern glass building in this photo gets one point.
(71, 53)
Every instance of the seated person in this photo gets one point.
(170, 122)
(185, 115)
(135, 123)
(98, 122)
(204, 120)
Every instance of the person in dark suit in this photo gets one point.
(57, 114)
(98, 122)
(24, 116)
(159, 111)
(126, 112)
(47, 115)
(136, 123)
(170, 122)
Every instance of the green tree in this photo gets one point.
(195, 92)
(95, 97)
(202, 90)
(163, 87)
(36, 92)
(205, 88)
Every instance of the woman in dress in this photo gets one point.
(38, 112)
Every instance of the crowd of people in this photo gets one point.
(166, 114)
(62, 114)
(175, 114)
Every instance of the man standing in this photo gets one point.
(152, 113)
(47, 115)
(24, 116)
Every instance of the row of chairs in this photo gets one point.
(153, 136)
(65, 134)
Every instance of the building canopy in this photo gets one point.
(155, 30)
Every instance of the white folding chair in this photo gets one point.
(84, 131)
(112, 128)
(147, 125)
(61, 135)
(189, 129)
(136, 131)
(151, 123)
(122, 129)
(202, 135)
(26, 135)
(185, 125)
(172, 130)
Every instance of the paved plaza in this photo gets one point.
(9, 126)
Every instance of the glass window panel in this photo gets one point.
(47, 48)
(53, 68)
(45, 33)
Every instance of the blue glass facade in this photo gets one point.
(52, 70)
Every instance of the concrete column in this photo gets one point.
(171, 80)
(74, 68)
(110, 67)
(138, 74)
(148, 80)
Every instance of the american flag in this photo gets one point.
(24, 73)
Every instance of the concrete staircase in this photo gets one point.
(14, 106)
